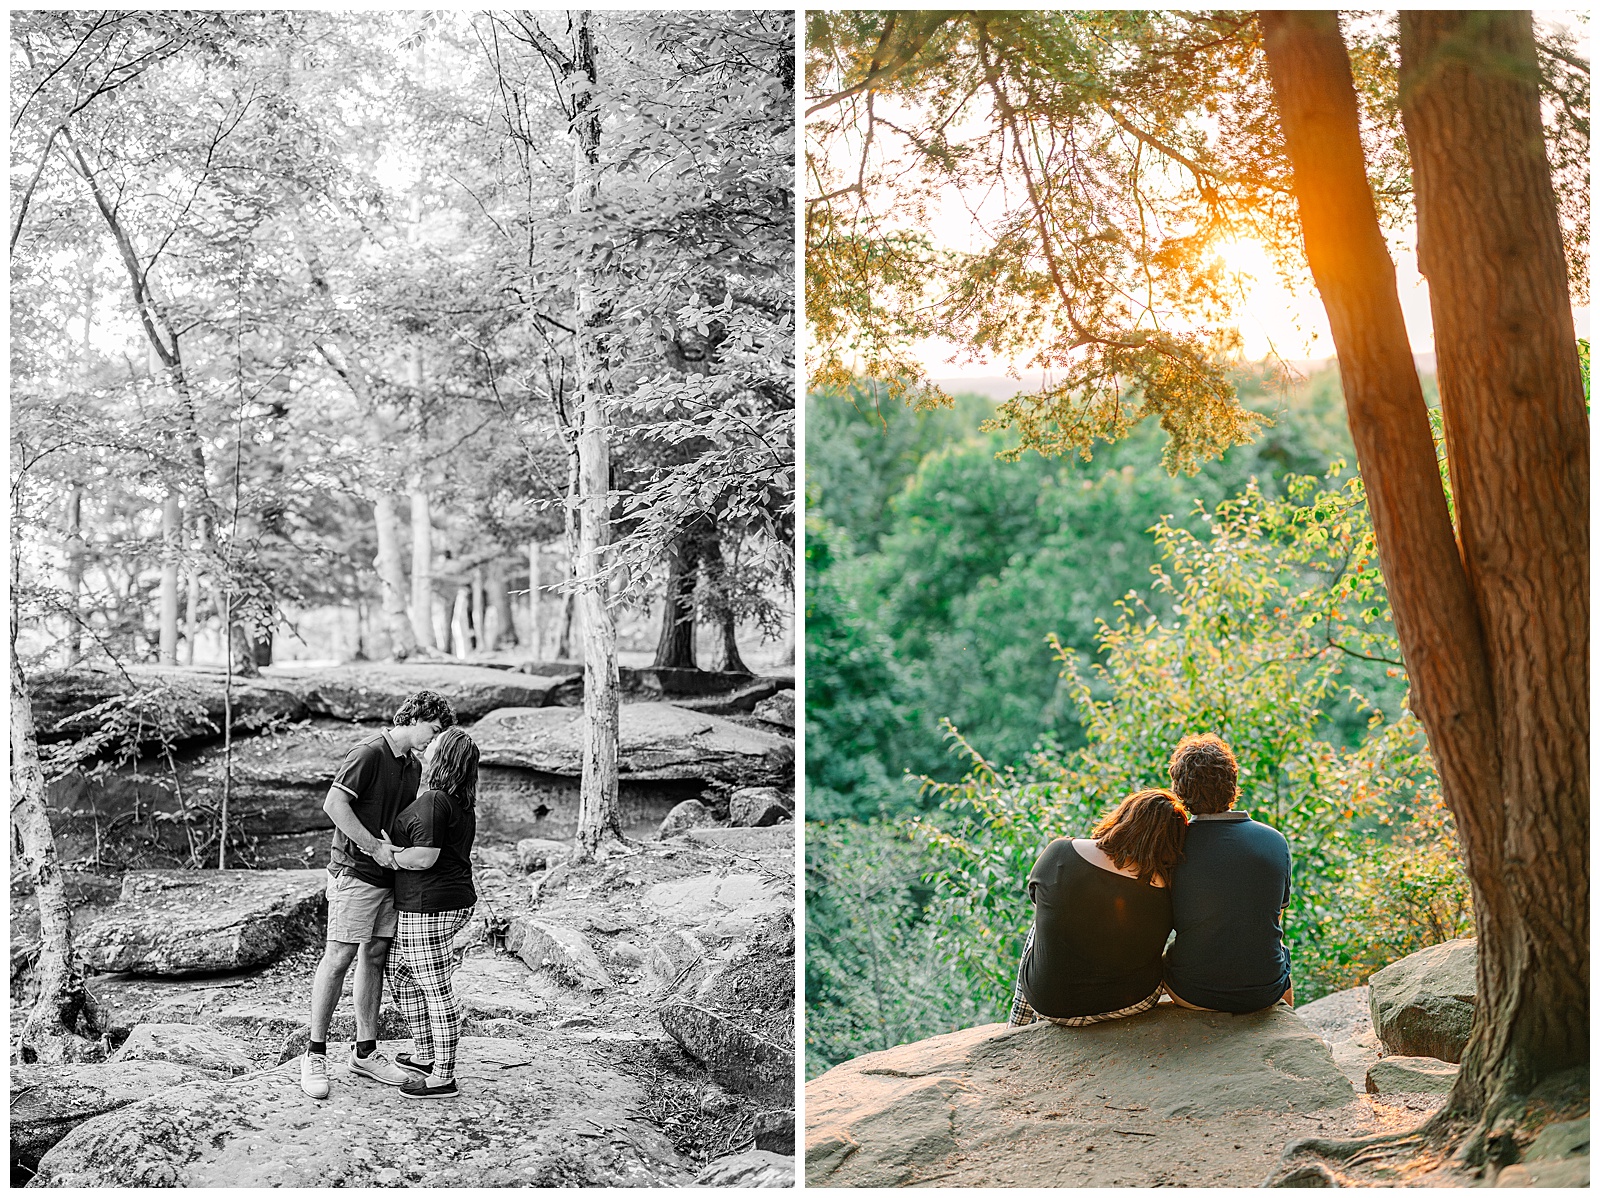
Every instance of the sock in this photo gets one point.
(365, 1048)
(320, 1047)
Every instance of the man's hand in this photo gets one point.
(385, 853)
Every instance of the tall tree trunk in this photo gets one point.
(392, 579)
(535, 625)
(460, 622)
(422, 566)
(728, 659)
(64, 1009)
(77, 551)
(191, 616)
(675, 648)
(572, 519)
(501, 628)
(1508, 748)
(480, 612)
(1511, 390)
(599, 817)
(167, 614)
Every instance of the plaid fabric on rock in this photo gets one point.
(1022, 1012)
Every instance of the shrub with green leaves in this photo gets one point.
(1272, 611)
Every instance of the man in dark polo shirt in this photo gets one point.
(377, 781)
(1228, 892)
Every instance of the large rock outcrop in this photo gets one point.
(1422, 1005)
(657, 741)
(48, 1101)
(1344, 1020)
(179, 922)
(551, 1112)
(372, 693)
(1046, 1105)
(191, 697)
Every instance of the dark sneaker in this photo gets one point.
(418, 1087)
(406, 1061)
(379, 1068)
(314, 1074)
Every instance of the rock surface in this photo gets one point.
(534, 852)
(691, 813)
(1344, 1020)
(1422, 1004)
(759, 807)
(47, 1102)
(563, 951)
(372, 693)
(545, 1113)
(194, 695)
(756, 1170)
(176, 922)
(1411, 1075)
(778, 710)
(185, 1044)
(1052, 1106)
(657, 741)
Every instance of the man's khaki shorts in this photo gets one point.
(359, 911)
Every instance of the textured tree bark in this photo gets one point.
(191, 616)
(422, 566)
(1489, 243)
(1494, 631)
(599, 817)
(167, 613)
(675, 647)
(728, 659)
(572, 519)
(499, 628)
(480, 612)
(392, 579)
(64, 1008)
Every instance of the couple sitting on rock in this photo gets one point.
(1105, 906)
(399, 864)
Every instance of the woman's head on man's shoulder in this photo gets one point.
(1204, 774)
(1145, 832)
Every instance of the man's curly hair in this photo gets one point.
(1204, 774)
(424, 706)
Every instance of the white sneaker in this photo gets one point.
(379, 1068)
(314, 1074)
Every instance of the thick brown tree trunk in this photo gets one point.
(1510, 387)
(1510, 750)
(675, 648)
(392, 579)
(599, 817)
(728, 659)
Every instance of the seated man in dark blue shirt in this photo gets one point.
(1228, 892)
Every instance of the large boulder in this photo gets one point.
(286, 774)
(759, 807)
(191, 698)
(47, 1102)
(1422, 1004)
(178, 922)
(185, 1044)
(1411, 1075)
(1344, 1020)
(735, 1054)
(747, 700)
(756, 1169)
(647, 684)
(564, 951)
(1046, 1105)
(372, 693)
(778, 710)
(657, 741)
(691, 813)
(531, 1114)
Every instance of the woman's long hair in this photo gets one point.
(453, 767)
(1145, 832)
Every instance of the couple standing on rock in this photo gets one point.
(400, 863)
(1105, 906)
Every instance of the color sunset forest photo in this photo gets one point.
(1215, 376)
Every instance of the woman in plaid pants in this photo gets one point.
(434, 896)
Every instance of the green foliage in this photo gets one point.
(874, 977)
(1267, 609)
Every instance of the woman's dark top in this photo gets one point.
(1098, 936)
(436, 821)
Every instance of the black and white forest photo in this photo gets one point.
(402, 567)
